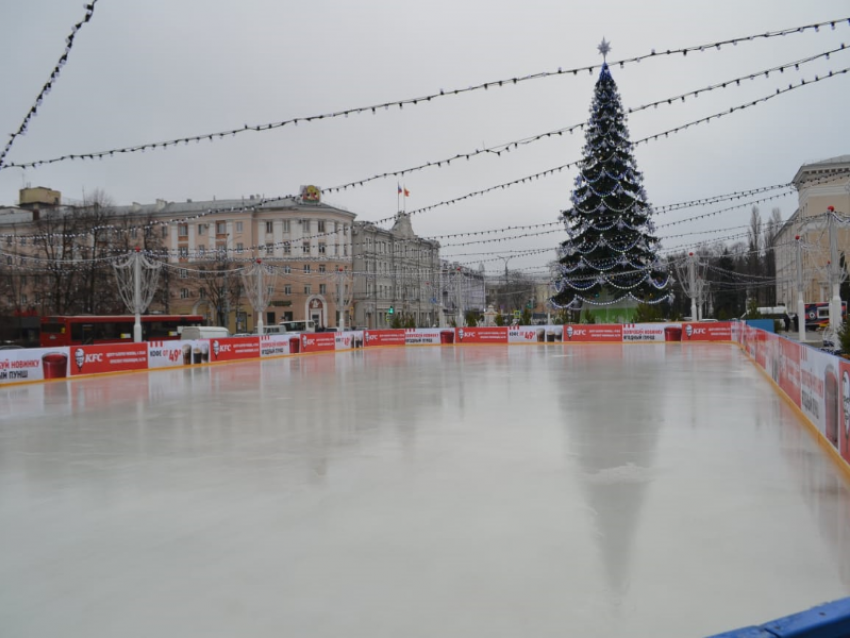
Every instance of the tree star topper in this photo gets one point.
(604, 49)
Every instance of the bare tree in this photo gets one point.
(219, 284)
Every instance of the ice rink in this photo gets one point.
(644, 490)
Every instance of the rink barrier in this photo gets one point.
(831, 620)
(815, 384)
(32, 365)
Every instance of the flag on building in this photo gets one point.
(406, 192)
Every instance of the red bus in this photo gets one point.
(94, 329)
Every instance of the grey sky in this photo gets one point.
(160, 69)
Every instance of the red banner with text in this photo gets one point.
(385, 338)
(117, 357)
(495, 334)
(707, 331)
(317, 342)
(592, 333)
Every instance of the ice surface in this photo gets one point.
(650, 490)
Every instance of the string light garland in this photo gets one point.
(48, 86)
(498, 149)
(400, 104)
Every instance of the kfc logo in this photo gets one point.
(689, 331)
(460, 334)
(215, 348)
(79, 358)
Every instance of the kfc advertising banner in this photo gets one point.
(274, 345)
(789, 367)
(115, 357)
(528, 334)
(233, 349)
(593, 333)
(349, 340)
(33, 364)
(384, 338)
(710, 331)
(495, 334)
(843, 433)
(425, 336)
(315, 342)
(168, 354)
(817, 371)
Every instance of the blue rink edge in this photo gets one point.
(831, 620)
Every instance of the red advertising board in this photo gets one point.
(844, 424)
(592, 333)
(494, 334)
(789, 368)
(234, 348)
(385, 338)
(317, 342)
(707, 331)
(116, 357)
(33, 364)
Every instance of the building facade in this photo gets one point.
(819, 185)
(203, 247)
(396, 274)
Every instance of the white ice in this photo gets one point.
(645, 490)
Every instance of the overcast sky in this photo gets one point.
(162, 69)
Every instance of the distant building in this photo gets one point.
(462, 290)
(394, 271)
(819, 185)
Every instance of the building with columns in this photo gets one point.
(819, 185)
(395, 273)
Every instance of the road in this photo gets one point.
(644, 490)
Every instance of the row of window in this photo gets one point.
(183, 273)
(185, 293)
(221, 227)
(306, 249)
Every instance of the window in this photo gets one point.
(238, 227)
(9, 240)
(287, 248)
(182, 230)
(306, 269)
(323, 289)
(306, 247)
(287, 269)
(202, 293)
(221, 248)
(239, 247)
(183, 252)
(269, 228)
(321, 225)
(307, 289)
(287, 290)
(336, 227)
(286, 225)
(269, 291)
(336, 249)
(183, 273)
(23, 241)
(221, 228)
(201, 251)
(322, 248)
(322, 268)
(345, 250)
(269, 249)
(184, 293)
(164, 231)
(202, 229)
(305, 223)
(134, 232)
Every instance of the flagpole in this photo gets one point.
(397, 202)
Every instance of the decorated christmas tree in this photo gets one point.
(609, 259)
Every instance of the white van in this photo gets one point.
(308, 325)
(204, 332)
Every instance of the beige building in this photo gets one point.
(819, 186)
(322, 262)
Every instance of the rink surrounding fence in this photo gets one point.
(831, 620)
